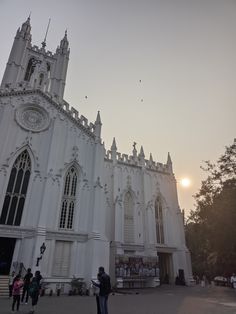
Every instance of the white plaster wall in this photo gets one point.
(99, 210)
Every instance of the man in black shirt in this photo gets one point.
(27, 280)
(105, 289)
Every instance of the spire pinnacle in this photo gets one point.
(141, 157)
(64, 43)
(98, 126)
(141, 154)
(98, 119)
(169, 161)
(113, 146)
(25, 29)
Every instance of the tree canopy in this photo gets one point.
(211, 227)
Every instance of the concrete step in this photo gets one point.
(4, 290)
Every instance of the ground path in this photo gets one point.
(163, 300)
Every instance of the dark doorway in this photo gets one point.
(7, 246)
(165, 265)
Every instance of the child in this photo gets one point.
(17, 285)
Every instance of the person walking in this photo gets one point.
(105, 289)
(27, 279)
(34, 290)
(96, 292)
(18, 284)
(233, 281)
(10, 283)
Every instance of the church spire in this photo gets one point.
(64, 44)
(169, 163)
(98, 119)
(141, 157)
(59, 71)
(113, 150)
(16, 62)
(113, 146)
(98, 125)
(150, 158)
(25, 29)
(141, 154)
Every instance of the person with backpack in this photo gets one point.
(17, 285)
(34, 290)
(105, 289)
(27, 279)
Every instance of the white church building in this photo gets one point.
(67, 204)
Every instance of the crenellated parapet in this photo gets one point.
(82, 120)
(40, 50)
(137, 160)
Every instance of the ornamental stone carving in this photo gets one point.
(32, 118)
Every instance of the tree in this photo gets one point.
(211, 227)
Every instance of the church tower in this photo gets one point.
(31, 67)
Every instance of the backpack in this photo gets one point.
(33, 288)
(106, 284)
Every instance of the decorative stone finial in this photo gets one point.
(134, 150)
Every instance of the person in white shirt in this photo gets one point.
(233, 281)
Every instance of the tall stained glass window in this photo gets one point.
(68, 199)
(16, 191)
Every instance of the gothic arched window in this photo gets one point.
(128, 218)
(30, 69)
(68, 199)
(16, 191)
(41, 77)
(159, 221)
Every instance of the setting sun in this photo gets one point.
(185, 182)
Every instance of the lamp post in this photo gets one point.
(42, 250)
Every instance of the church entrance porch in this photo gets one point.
(166, 268)
(7, 246)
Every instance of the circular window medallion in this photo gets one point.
(32, 118)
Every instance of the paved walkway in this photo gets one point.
(163, 300)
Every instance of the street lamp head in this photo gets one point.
(42, 248)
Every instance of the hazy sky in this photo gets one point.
(184, 53)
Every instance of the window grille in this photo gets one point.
(159, 221)
(68, 200)
(30, 69)
(128, 218)
(16, 191)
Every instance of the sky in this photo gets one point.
(162, 73)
